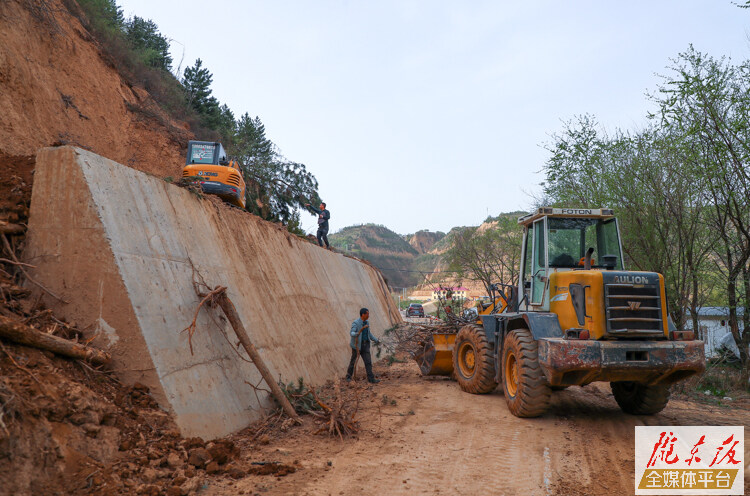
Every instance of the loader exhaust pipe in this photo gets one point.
(587, 259)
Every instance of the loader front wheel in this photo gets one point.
(639, 399)
(473, 361)
(526, 390)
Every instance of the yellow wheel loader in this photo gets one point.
(576, 317)
(207, 163)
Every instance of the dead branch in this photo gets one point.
(11, 262)
(256, 388)
(218, 296)
(9, 228)
(338, 420)
(13, 291)
(22, 334)
(26, 274)
(209, 299)
(234, 319)
(38, 315)
(19, 367)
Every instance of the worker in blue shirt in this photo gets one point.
(360, 344)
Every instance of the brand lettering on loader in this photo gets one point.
(576, 211)
(631, 280)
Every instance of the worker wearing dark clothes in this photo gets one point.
(360, 344)
(323, 216)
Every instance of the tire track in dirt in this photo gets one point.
(457, 443)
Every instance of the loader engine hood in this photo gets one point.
(610, 304)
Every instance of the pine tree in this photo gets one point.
(276, 187)
(197, 83)
(144, 36)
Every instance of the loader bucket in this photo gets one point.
(436, 356)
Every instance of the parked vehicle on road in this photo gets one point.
(415, 310)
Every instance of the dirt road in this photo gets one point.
(425, 436)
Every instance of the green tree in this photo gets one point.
(658, 205)
(144, 37)
(276, 187)
(227, 125)
(490, 254)
(681, 187)
(104, 15)
(706, 101)
(197, 84)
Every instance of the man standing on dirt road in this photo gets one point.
(360, 344)
(323, 216)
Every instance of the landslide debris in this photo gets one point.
(66, 426)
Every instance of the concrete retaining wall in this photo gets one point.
(122, 248)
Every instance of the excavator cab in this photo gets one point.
(207, 162)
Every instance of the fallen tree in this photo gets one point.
(23, 334)
(218, 296)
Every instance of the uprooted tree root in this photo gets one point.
(333, 410)
(338, 418)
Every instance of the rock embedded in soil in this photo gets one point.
(198, 457)
(149, 475)
(236, 473)
(174, 460)
(193, 442)
(222, 451)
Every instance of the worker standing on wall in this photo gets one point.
(360, 344)
(323, 216)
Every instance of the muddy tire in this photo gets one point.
(526, 390)
(639, 399)
(473, 361)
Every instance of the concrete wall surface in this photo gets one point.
(123, 249)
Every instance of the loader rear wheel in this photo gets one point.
(473, 361)
(526, 390)
(639, 399)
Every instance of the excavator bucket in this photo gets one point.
(436, 355)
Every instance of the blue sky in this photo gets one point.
(433, 114)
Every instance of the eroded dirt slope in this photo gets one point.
(56, 86)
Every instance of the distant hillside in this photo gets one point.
(423, 241)
(411, 260)
(388, 251)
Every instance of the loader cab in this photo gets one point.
(556, 240)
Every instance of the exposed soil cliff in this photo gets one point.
(58, 87)
(423, 241)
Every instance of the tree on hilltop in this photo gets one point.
(144, 36)
(197, 84)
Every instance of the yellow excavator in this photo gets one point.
(571, 321)
(207, 163)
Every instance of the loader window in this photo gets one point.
(570, 238)
(527, 257)
(609, 240)
(539, 267)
